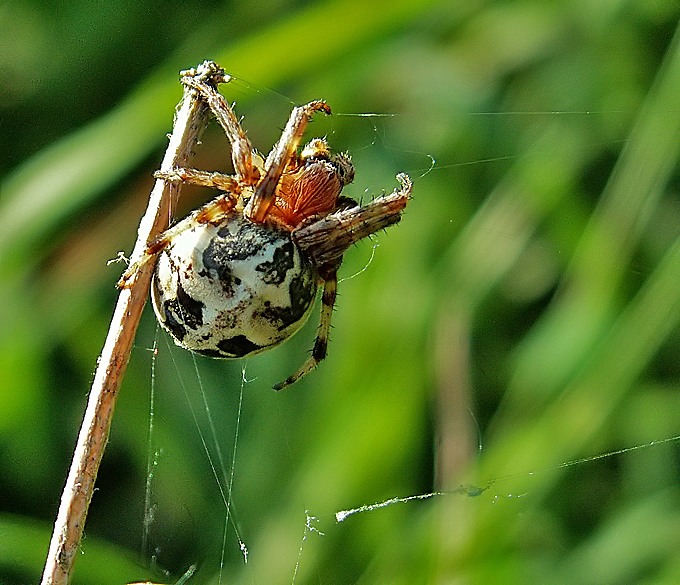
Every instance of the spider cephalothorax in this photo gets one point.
(311, 185)
(240, 274)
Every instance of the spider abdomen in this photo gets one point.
(232, 289)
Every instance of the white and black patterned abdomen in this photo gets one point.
(234, 289)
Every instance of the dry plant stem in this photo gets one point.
(68, 528)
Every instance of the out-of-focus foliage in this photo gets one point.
(524, 314)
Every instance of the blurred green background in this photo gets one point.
(523, 315)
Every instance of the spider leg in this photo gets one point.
(327, 239)
(212, 212)
(241, 149)
(284, 150)
(202, 178)
(330, 287)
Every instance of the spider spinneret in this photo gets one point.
(240, 274)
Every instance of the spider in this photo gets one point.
(240, 274)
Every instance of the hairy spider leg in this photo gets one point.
(215, 211)
(326, 239)
(241, 149)
(203, 178)
(330, 288)
(279, 157)
(212, 212)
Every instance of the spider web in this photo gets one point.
(223, 473)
